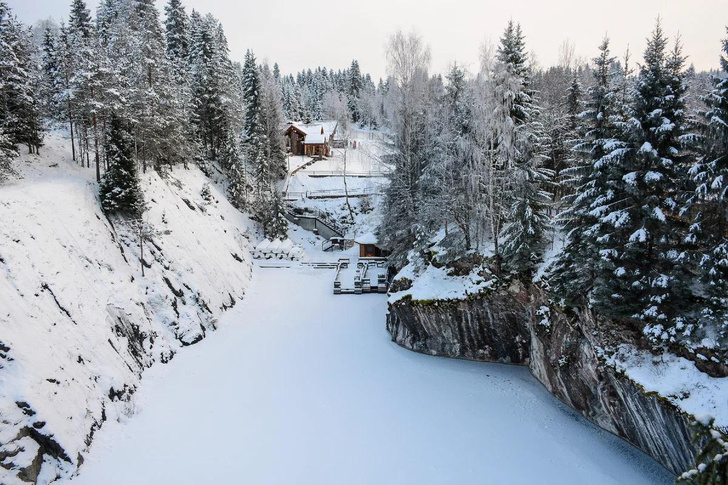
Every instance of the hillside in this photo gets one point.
(79, 321)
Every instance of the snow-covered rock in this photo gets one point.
(79, 322)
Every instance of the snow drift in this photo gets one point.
(78, 321)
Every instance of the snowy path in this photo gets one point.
(300, 386)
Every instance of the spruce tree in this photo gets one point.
(275, 224)
(527, 223)
(642, 270)
(711, 462)
(7, 153)
(120, 191)
(176, 25)
(355, 85)
(20, 112)
(512, 55)
(707, 206)
(214, 86)
(255, 139)
(573, 273)
(51, 84)
(80, 18)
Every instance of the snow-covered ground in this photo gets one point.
(301, 386)
(78, 321)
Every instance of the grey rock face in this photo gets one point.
(562, 352)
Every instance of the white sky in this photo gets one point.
(300, 34)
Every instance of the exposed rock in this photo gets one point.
(490, 330)
(517, 326)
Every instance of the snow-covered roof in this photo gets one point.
(314, 139)
(368, 238)
(316, 133)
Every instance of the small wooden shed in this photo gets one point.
(369, 246)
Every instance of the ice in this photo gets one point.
(301, 386)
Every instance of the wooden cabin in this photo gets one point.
(313, 140)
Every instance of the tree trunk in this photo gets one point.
(96, 143)
(85, 136)
(141, 246)
(70, 125)
(346, 188)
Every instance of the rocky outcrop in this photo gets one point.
(517, 325)
(478, 329)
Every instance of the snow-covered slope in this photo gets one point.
(78, 321)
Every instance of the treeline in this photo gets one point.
(324, 94)
(20, 116)
(127, 85)
(615, 165)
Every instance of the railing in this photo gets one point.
(319, 219)
(332, 193)
(340, 173)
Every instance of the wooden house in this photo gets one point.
(313, 140)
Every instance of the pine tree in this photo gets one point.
(120, 191)
(707, 207)
(642, 270)
(80, 18)
(527, 223)
(573, 273)
(176, 25)
(20, 114)
(355, 85)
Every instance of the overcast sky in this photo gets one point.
(300, 34)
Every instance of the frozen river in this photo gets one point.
(303, 387)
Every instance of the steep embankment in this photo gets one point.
(78, 321)
(586, 362)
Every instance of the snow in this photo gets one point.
(368, 238)
(314, 139)
(640, 235)
(676, 379)
(647, 148)
(310, 390)
(436, 284)
(70, 283)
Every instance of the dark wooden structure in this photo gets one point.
(314, 140)
(368, 246)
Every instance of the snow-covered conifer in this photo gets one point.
(707, 207)
(642, 267)
(120, 191)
